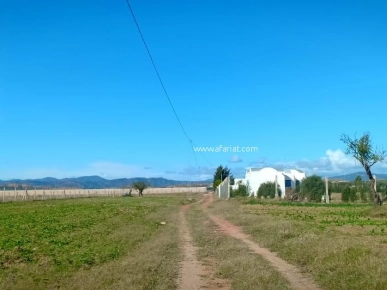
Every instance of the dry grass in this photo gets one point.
(342, 247)
(231, 261)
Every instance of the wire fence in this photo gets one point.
(46, 194)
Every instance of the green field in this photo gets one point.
(83, 243)
(121, 243)
(342, 246)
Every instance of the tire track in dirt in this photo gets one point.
(296, 279)
(191, 270)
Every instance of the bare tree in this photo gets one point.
(363, 151)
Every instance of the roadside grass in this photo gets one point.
(343, 246)
(48, 244)
(231, 261)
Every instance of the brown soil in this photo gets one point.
(191, 270)
(193, 274)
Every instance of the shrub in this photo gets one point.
(240, 191)
(363, 195)
(345, 196)
(349, 194)
(313, 188)
(267, 189)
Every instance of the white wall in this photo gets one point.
(255, 178)
(238, 181)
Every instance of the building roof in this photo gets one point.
(275, 168)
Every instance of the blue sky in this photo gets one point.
(79, 96)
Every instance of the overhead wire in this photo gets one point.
(163, 86)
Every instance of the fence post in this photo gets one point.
(35, 194)
(326, 190)
(276, 187)
(4, 194)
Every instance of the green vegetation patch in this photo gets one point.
(46, 241)
(341, 246)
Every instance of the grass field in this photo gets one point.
(231, 261)
(120, 243)
(91, 243)
(342, 246)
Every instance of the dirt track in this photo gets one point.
(193, 272)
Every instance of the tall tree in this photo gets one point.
(221, 174)
(363, 151)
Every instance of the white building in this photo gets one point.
(238, 181)
(286, 179)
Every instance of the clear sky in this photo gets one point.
(79, 96)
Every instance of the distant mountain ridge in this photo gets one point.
(352, 176)
(97, 182)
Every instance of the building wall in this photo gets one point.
(254, 178)
(238, 181)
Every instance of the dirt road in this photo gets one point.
(193, 272)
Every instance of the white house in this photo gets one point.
(238, 181)
(286, 178)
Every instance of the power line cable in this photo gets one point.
(162, 83)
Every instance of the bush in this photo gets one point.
(349, 194)
(354, 194)
(345, 196)
(267, 189)
(241, 191)
(313, 188)
(363, 195)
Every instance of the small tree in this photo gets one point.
(360, 190)
(363, 151)
(140, 186)
(345, 196)
(221, 174)
(313, 188)
(267, 189)
(349, 194)
(216, 183)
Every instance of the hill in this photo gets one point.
(96, 182)
(352, 176)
